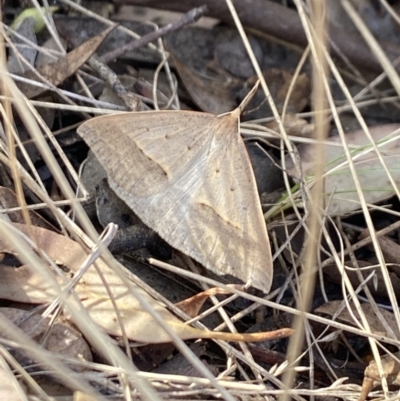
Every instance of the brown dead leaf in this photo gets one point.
(390, 250)
(280, 81)
(59, 71)
(9, 200)
(380, 289)
(24, 285)
(62, 339)
(339, 183)
(372, 377)
(191, 51)
(179, 365)
(331, 308)
(391, 369)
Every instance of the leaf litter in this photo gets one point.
(374, 285)
(97, 288)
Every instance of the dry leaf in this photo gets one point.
(25, 31)
(9, 200)
(59, 71)
(281, 81)
(372, 176)
(191, 306)
(390, 250)
(331, 308)
(377, 286)
(23, 285)
(372, 377)
(188, 177)
(191, 53)
(62, 339)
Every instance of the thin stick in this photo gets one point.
(188, 18)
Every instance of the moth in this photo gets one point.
(187, 176)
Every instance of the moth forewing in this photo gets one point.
(187, 176)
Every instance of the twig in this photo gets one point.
(130, 99)
(188, 18)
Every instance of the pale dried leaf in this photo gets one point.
(371, 174)
(24, 285)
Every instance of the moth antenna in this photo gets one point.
(239, 110)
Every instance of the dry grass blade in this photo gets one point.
(315, 31)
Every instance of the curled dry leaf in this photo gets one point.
(372, 376)
(375, 324)
(24, 285)
(192, 305)
(62, 339)
(373, 178)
